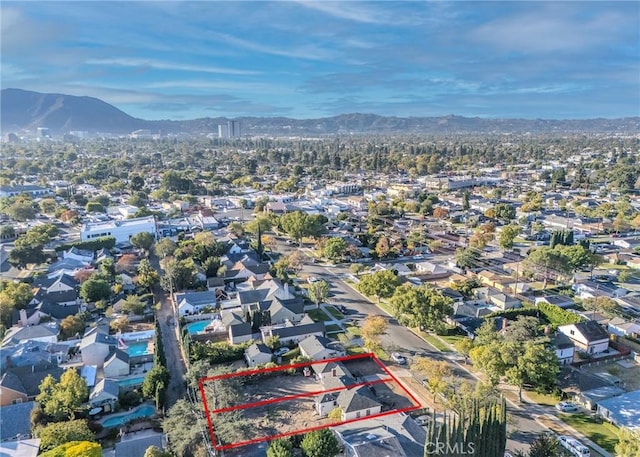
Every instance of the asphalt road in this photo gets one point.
(522, 429)
(169, 328)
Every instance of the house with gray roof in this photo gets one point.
(378, 442)
(290, 332)
(588, 336)
(96, 346)
(116, 364)
(623, 410)
(194, 302)
(20, 448)
(320, 348)
(19, 384)
(136, 444)
(47, 333)
(104, 394)
(15, 421)
(257, 354)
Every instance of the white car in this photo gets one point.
(398, 358)
(566, 407)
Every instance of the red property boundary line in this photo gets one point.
(209, 413)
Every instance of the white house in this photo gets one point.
(96, 346)
(116, 364)
(565, 349)
(587, 336)
(257, 354)
(194, 302)
(122, 231)
(621, 327)
(290, 332)
(47, 333)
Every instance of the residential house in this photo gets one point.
(622, 327)
(20, 448)
(32, 353)
(239, 330)
(257, 354)
(591, 289)
(565, 349)
(320, 348)
(136, 444)
(623, 410)
(15, 421)
(430, 271)
(104, 394)
(562, 301)
(81, 255)
(116, 364)
(11, 390)
(358, 402)
(47, 333)
(588, 336)
(590, 399)
(281, 311)
(290, 332)
(95, 346)
(240, 272)
(194, 302)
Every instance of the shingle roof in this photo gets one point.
(15, 420)
(134, 446)
(592, 331)
(117, 354)
(258, 348)
(31, 377)
(357, 399)
(12, 382)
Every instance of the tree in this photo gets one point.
(524, 328)
(463, 346)
(165, 248)
(61, 399)
(603, 305)
(178, 275)
(75, 449)
(334, 249)
(547, 262)
(423, 307)
(143, 240)
(382, 247)
(440, 213)
(94, 207)
(466, 258)
(280, 448)
(237, 228)
(158, 375)
(133, 305)
(119, 324)
(318, 292)
(545, 445)
(320, 443)
(372, 329)
(299, 224)
(59, 433)
(489, 359)
(508, 235)
(13, 296)
(93, 290)
(147, 275)
(437, 374)
(260, 223)
(505, 211)
(183, 426)
(21, 256)
(20, 212)
(629, 443)
(71, 326)
(356, 268)
(381, 284)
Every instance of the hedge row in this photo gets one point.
(107, 242)
(553, 314)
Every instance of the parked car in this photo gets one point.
(566, 407)
(343, 309)
(282, 351)
(398, 358)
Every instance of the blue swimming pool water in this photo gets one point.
(197, 327)
(137, 348)
(131, 382)
(142, 411)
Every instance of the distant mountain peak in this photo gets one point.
(26, 110)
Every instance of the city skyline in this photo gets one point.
(183, 60)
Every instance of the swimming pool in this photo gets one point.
(197, 327)
(142, 411)
(131, 382)
(137, 348)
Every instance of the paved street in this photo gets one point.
(169, 329)
(398, 338)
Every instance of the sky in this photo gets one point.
(312, 59)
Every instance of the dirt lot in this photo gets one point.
(299, 413)
(630, 376)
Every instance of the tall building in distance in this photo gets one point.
(230, 130)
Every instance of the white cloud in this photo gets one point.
(160, 65)
(310, 52)
(349, 11)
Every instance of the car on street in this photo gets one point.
(399, 358)
(566, 407)
(282, 351)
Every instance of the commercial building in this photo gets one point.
(122, 231)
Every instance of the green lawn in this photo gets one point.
(385, 307)
(435, 342)
(333, 328)
(353, 331)
(335, 313)
(453, 339)
(353, 350)
(604, 435)
(318, 315)
(542, 399)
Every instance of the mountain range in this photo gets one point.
(22, 110)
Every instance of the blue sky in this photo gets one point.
(307, 59)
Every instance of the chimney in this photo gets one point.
(504, 323)
(334, 372)
(23, 317)
(286, 290)
(547, 330)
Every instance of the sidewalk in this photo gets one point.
(554, 424)
(332, 320)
